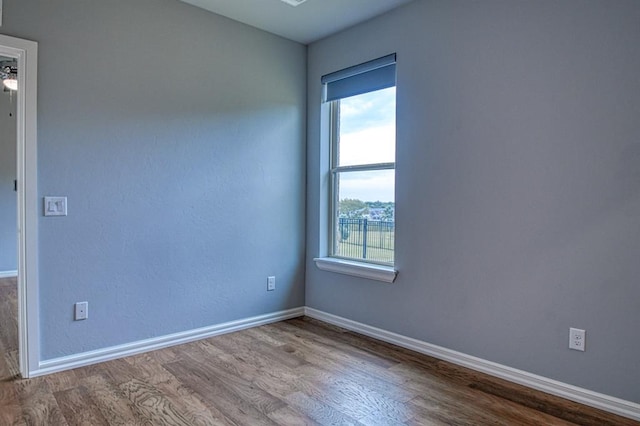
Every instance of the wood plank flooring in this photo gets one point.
(8, 328)
(296, 372)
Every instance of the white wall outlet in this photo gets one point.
(577, 339)
(55, 206)
(271, 283)
(82, 311)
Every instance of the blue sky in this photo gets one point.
(367, 136)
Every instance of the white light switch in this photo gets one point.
(55, 206)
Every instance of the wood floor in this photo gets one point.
(8, 329)
(297, 372)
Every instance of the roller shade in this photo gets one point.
(373, 75)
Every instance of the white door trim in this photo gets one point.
(26, 54)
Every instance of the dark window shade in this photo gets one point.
(373, 75)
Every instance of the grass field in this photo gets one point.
(380, 245)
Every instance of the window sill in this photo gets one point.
(357, 269)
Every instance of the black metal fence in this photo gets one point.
(366, 239)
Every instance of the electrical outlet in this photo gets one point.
(271, 283)
(82, 311)
(577, 339)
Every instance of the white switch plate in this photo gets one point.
(82, 311)
(55, 206)
(271, 283)
(577, 339)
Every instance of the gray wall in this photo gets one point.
(8, 219)
(179, 138)
(518, 184)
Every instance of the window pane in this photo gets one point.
(365, 215)
(367, 131)
(368, 186)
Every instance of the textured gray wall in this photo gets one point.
(8, 219)
(179, 138)
(518, 184)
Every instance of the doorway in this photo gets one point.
(9, 364)
(24, 55)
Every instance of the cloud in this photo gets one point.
(378, 185)
(368, 136)
(367, 110)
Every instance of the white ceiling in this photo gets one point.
(305, 23)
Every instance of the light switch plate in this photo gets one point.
(55, 206)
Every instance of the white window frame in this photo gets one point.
(335, 171)
(332, 262)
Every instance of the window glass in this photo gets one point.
(363, 176)
(367, 126)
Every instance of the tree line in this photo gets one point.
(358, 209)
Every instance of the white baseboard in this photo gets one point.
(101, 355)
(593, 399)
(8, 274)
(583, 396)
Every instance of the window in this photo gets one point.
(362, 170)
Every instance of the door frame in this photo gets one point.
(26, 54)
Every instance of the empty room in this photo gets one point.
(319, 212)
